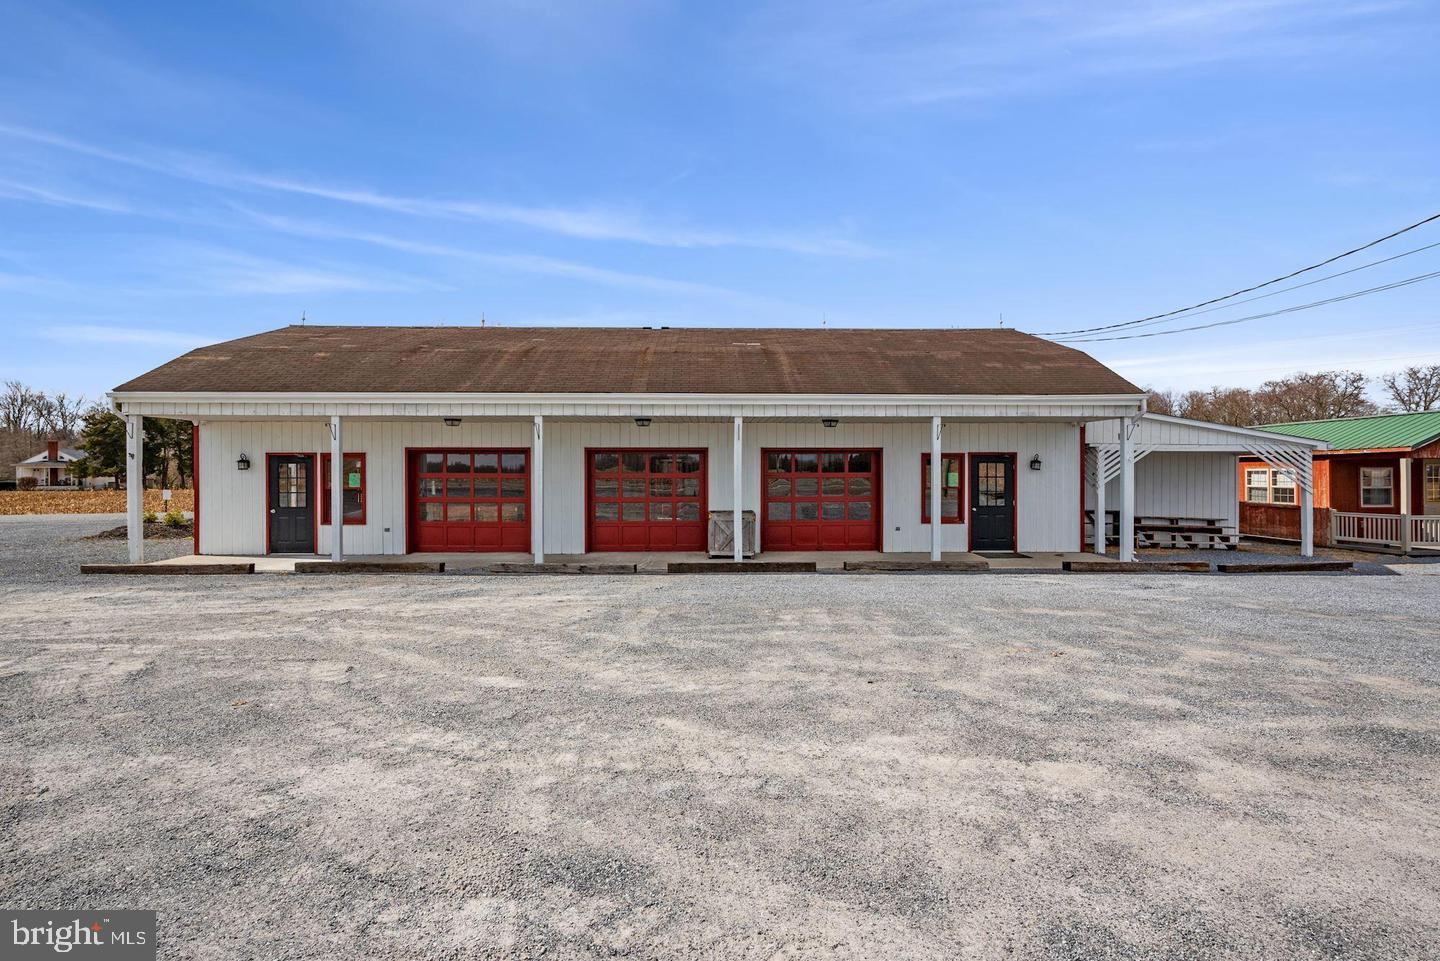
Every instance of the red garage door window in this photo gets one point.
(646, 500)
(821, 500)
(470, 500)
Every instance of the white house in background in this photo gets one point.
(51, 468)
(569, 441)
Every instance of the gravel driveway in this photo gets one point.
(1042, 766)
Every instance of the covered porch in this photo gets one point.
(1176, 480)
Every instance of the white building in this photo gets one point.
(568, 441)
(51, 468)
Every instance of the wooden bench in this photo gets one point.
(1151, 531)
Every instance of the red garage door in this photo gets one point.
(470, 500)
(821, 500)
(646, 500)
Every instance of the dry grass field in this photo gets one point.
(85, 502)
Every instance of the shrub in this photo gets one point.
(25, 484)
(150, 517)
(174, 519)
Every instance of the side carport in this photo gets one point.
(1184, 468)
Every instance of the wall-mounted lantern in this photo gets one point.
(830, 421)
(1035, 462)
(452, 421)
(642, 422)
(243, 463)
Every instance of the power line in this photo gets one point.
(1274, 313)
(1246, 290)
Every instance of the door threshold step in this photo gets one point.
(370, 567)
(742, 567)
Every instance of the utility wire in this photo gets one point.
(1247, 290)
(1274, 293)
(1274, 313)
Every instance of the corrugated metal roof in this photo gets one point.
(1367, 433)
(634, 360)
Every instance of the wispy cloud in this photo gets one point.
(516, 263)
(97, 334)
(34, 193)
(584, 223)
(933, 51)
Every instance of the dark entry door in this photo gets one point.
(992, 502)
(292, 504)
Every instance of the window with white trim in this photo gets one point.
(1377, 486)
(1257, 486)
(1432, 483)
(1282, 487)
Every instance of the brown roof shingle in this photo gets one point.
(635, 360)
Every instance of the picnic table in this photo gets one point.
(1152, 531)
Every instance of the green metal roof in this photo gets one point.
(1367, 433)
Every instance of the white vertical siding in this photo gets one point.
(234, 510)
(1180, 484)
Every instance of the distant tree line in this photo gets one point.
(1318, 396)
(28, 418)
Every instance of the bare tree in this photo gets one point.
(1319, 396)
(1235, 406)
(1161, 401)
(1414, 388)
(19, 408)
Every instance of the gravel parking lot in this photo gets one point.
(1033, 766)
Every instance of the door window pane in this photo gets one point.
(607, 512)
(687, 463)
(457, 463)
(662, 511)
(606, 461)
(487, 513)
(431, 486)
(860, 486)
(432, 511)
(432, 463)
(662, 464)
(634, 488)
(661, 487)
(832, 511)
(607, 487)
(512, 463)
(457, 487)
(780, 510)
(807, 463)
(779, 463)
(687, 487)
(860, 462)
(633, 463)
(807, 486)
(807, 512)
(512, 487)
(512, 513)
(687, 512)
(486, 486)
(779, 487)
(486, 463)
(833, 487)
(860, 510)
(457, 513)
(832, 462)
(632, 511)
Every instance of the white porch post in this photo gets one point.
(1307, 508)
(737, 480)
(537, 491)
(1127, 491)
(1100, 517)
(337, 491)
(1405, 463)
(135, 486)
(935, 519)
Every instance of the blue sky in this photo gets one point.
(172, 174)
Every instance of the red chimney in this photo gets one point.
(52, 450)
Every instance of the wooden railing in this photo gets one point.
(1391, 530)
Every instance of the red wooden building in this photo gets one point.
(1378, 485)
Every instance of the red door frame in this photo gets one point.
(878, 473)
(314, 508)
(412, 503)
(588, 474)
(1014, 497)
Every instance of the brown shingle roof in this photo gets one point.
(635, 360)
